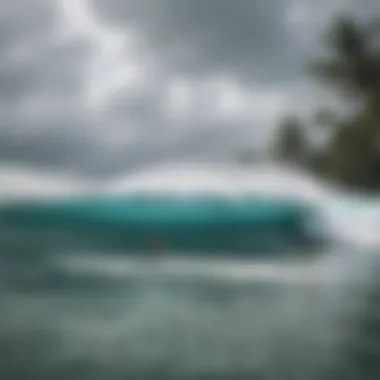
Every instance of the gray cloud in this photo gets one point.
(47, 120)
(253, 39)
(244, 36)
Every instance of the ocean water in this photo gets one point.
(72, 314)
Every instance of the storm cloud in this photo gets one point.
(100, 87)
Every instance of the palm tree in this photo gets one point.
(353, 68)
(290, 143)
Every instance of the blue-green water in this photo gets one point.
(220, 226)
(94, 313)
(75, 318)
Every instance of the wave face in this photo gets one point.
(232, 212)
(95, 314)
(260, 226)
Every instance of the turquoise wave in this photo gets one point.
(166, 223)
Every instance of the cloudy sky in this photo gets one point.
(97, 87)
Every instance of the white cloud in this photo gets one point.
(179, 98)
(117, 62)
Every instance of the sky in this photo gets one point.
(96, 88)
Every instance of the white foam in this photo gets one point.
(218, 180)
(307, 271)
(18, 183)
